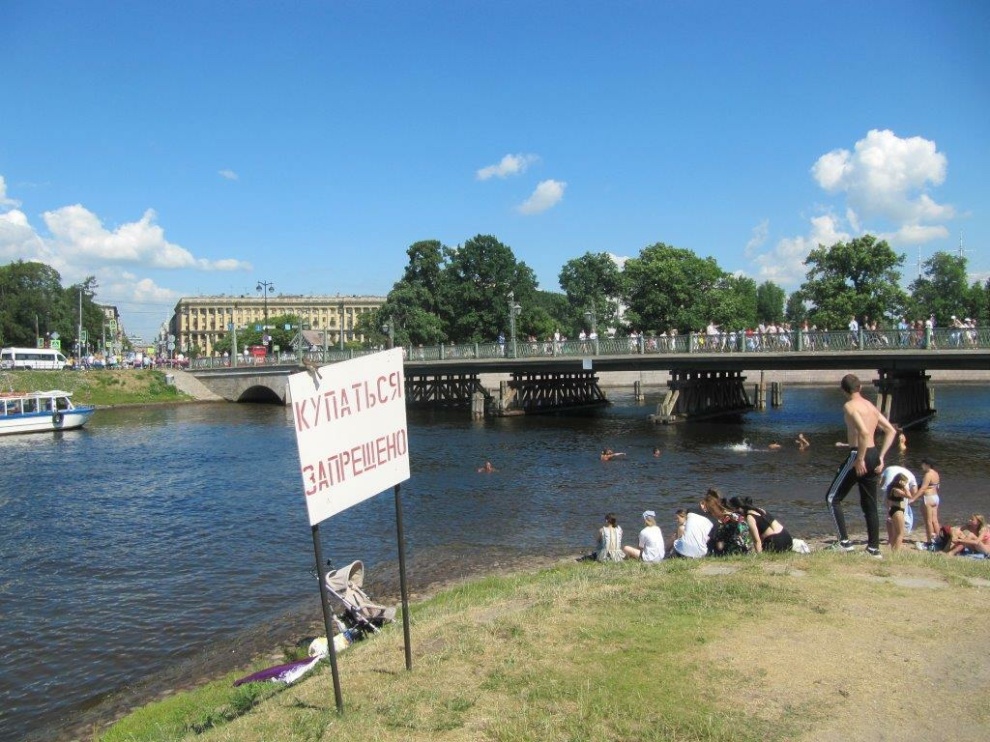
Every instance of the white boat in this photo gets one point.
(41, 412)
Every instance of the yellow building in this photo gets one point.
(200, 321)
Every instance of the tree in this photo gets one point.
(737, 301)
(477, 280)
(770, 302)
(592, 282)
(413, 306)
(549, 311)
(32, 301)
(857, 278)
(670, 287)
(941, 289)
(796, 312)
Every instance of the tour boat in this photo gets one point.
(40, 412)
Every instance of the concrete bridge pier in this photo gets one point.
(697, 395)
(905, 397)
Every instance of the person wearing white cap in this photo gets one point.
(650, 541)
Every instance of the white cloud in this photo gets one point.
(78, 233)
(758, 238)
(4, 201)
(509, 165)
(228, 174)
(784, 264)
(619, 260)
(548, 194)
(883, 182)
(886, 176)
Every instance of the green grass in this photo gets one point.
(97, 387)
(578, 652)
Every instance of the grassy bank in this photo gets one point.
(103, 388)
(820, 646)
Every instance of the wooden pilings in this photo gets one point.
(696, 395)
(536, 392)
(443, 391)
(905, 397)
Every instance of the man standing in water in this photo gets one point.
(863, 465)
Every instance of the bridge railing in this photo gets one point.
(942, 339)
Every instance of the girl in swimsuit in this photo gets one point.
(767, 532)
(898, 494)
(974, 536)
(928, 490)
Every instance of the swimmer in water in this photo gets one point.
(608, 454)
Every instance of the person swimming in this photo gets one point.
(608, 454)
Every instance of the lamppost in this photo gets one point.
(514, 310)
(389, 329)
(265, 287)
(593, 321)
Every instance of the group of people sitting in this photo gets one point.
(733, 526)
(738, 526)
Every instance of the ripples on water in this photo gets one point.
(158, 533)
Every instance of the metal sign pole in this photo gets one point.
(327, 619)
(402, 577)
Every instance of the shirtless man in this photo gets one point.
(863, 465)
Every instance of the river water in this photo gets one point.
(164, 541)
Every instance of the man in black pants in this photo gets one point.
(863, 465)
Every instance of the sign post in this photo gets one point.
(350, 422)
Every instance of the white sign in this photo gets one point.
(350, 421)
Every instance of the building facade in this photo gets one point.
(198, 322)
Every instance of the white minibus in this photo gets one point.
(39, 359)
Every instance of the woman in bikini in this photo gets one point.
(898, 495)
(929, 491)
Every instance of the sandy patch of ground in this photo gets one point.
(902, 656)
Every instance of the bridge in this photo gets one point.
(706, 371)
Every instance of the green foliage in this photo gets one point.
(738, 302)
(941, 289)
(592, 283)
(671, 287)
(32, 301)
(770, 302)
(795, 312)
(857, 278)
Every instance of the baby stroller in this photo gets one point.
(352, 603)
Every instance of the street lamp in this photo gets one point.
(514, 310)
(265, 287)
(389, 329)
(593, 321)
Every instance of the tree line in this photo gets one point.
(478, 290)
(33, 304)
(469, 293)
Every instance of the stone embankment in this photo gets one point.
(189, 384)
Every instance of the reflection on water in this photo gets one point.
(157, 534)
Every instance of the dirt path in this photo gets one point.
(900, 655)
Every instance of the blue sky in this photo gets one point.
(187, 148)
